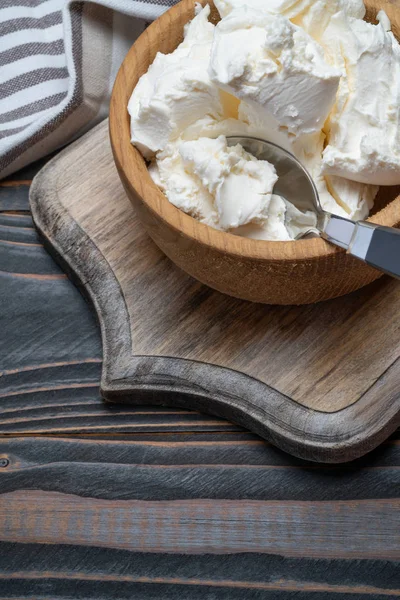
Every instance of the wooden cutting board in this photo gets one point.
(320, 381)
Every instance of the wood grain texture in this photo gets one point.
(9, 200)
(271, 272)
(208, 526)
(190, 577)
(49, 378)
(82, 500)
(261, 367)
(194, 516)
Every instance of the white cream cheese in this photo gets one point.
(309, 75)
(337, 195)
(311, 15)
(363, 127)
(224, 185)
(227, 188)
(176, 91)
(180, 187)
(285, 222)
(266, 60)
(287, 90)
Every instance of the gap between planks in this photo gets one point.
(118, 437)
(278, 585)
(15, 183)
(15, 213)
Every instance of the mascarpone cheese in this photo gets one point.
(227, 188)
(363, 127)
(176, 91)
(309, 75)
(312, 15)
(266, 60)
(337, 195)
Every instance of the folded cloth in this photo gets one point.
(58, 62)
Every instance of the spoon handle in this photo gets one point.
(376, 245)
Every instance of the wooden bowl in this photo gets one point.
(298, 272)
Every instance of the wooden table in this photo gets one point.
(102, 501)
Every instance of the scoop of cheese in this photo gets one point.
(337, 195)
(241, 185)
(226, 187)
(363, 128)
(266, 60)
(176, 91)
(312, 15)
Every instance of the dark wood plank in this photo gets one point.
(40, 317)
(371, 487)
(191, 470)
(11, 233)
(16, 220)
(14, 189)
(229, 517)
(227, 448)
(26, 258)
(15, 197)
(78, 572)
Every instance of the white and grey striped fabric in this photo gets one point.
(58, 62)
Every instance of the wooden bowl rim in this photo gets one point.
(126, 154)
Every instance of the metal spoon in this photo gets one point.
(375, 245)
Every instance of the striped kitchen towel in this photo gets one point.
(58, 62)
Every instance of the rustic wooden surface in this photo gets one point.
(102, 501)
(308, 271)
(321, 381)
